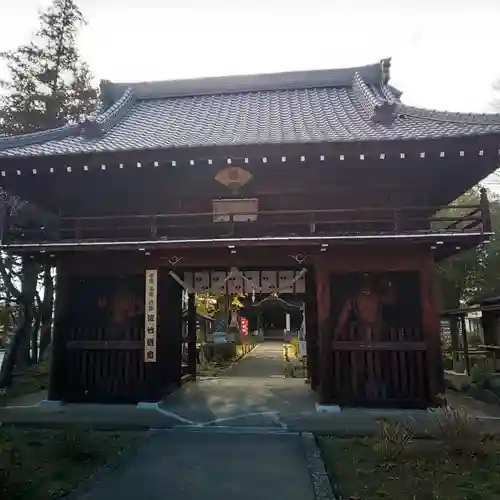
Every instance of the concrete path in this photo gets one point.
(201, 466)
(253, 392)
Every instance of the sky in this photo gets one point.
(444, 52)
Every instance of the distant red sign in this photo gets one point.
(244, 326)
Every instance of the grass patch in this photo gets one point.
(43, 464)
(460, 463)
(32, 380)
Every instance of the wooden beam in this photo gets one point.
(106, 345)
(347, 345)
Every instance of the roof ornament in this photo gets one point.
(89, 127)
(385, 71)
(379, 109)
(384, 113)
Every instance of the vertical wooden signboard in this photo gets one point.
(150, 316)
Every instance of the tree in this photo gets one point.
(474, 272)
(49, 85)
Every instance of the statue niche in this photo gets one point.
(123, 309)
(366, 309)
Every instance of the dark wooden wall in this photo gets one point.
(95, 361)
(190, 188)
(412, 357)
(407, 361)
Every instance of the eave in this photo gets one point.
(471, 158)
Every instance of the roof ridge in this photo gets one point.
(289, 80)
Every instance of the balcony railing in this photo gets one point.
(267, 223)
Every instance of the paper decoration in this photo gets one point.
(300, 283)
(201, 281)
(285, 281)
(251, 282)
(150, 327)
(218, 281)
(268, 280)
(235, 284)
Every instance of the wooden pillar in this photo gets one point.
(488, 323)
(465, 341)
(311, 320)
(431, 327)
(326, 395)
(191, 334)
(170, 324)
(4, 219)
(485, 211)
(58, 362)
(455, 344)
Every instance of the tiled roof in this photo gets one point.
(342, 105)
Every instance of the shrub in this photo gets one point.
(481, 377)
(393, 440)
(219, 353)
(495, 385)
(465, 387)
(460, 433)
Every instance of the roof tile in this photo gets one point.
(142, 117)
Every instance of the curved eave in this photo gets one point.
(487, 144)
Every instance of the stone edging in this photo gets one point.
(316, 467)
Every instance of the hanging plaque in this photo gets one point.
(150, 316)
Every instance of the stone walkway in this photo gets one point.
(201, 466)
(253, 392)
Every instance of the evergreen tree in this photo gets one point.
(49, 84)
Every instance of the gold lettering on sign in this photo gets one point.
(150, 316)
